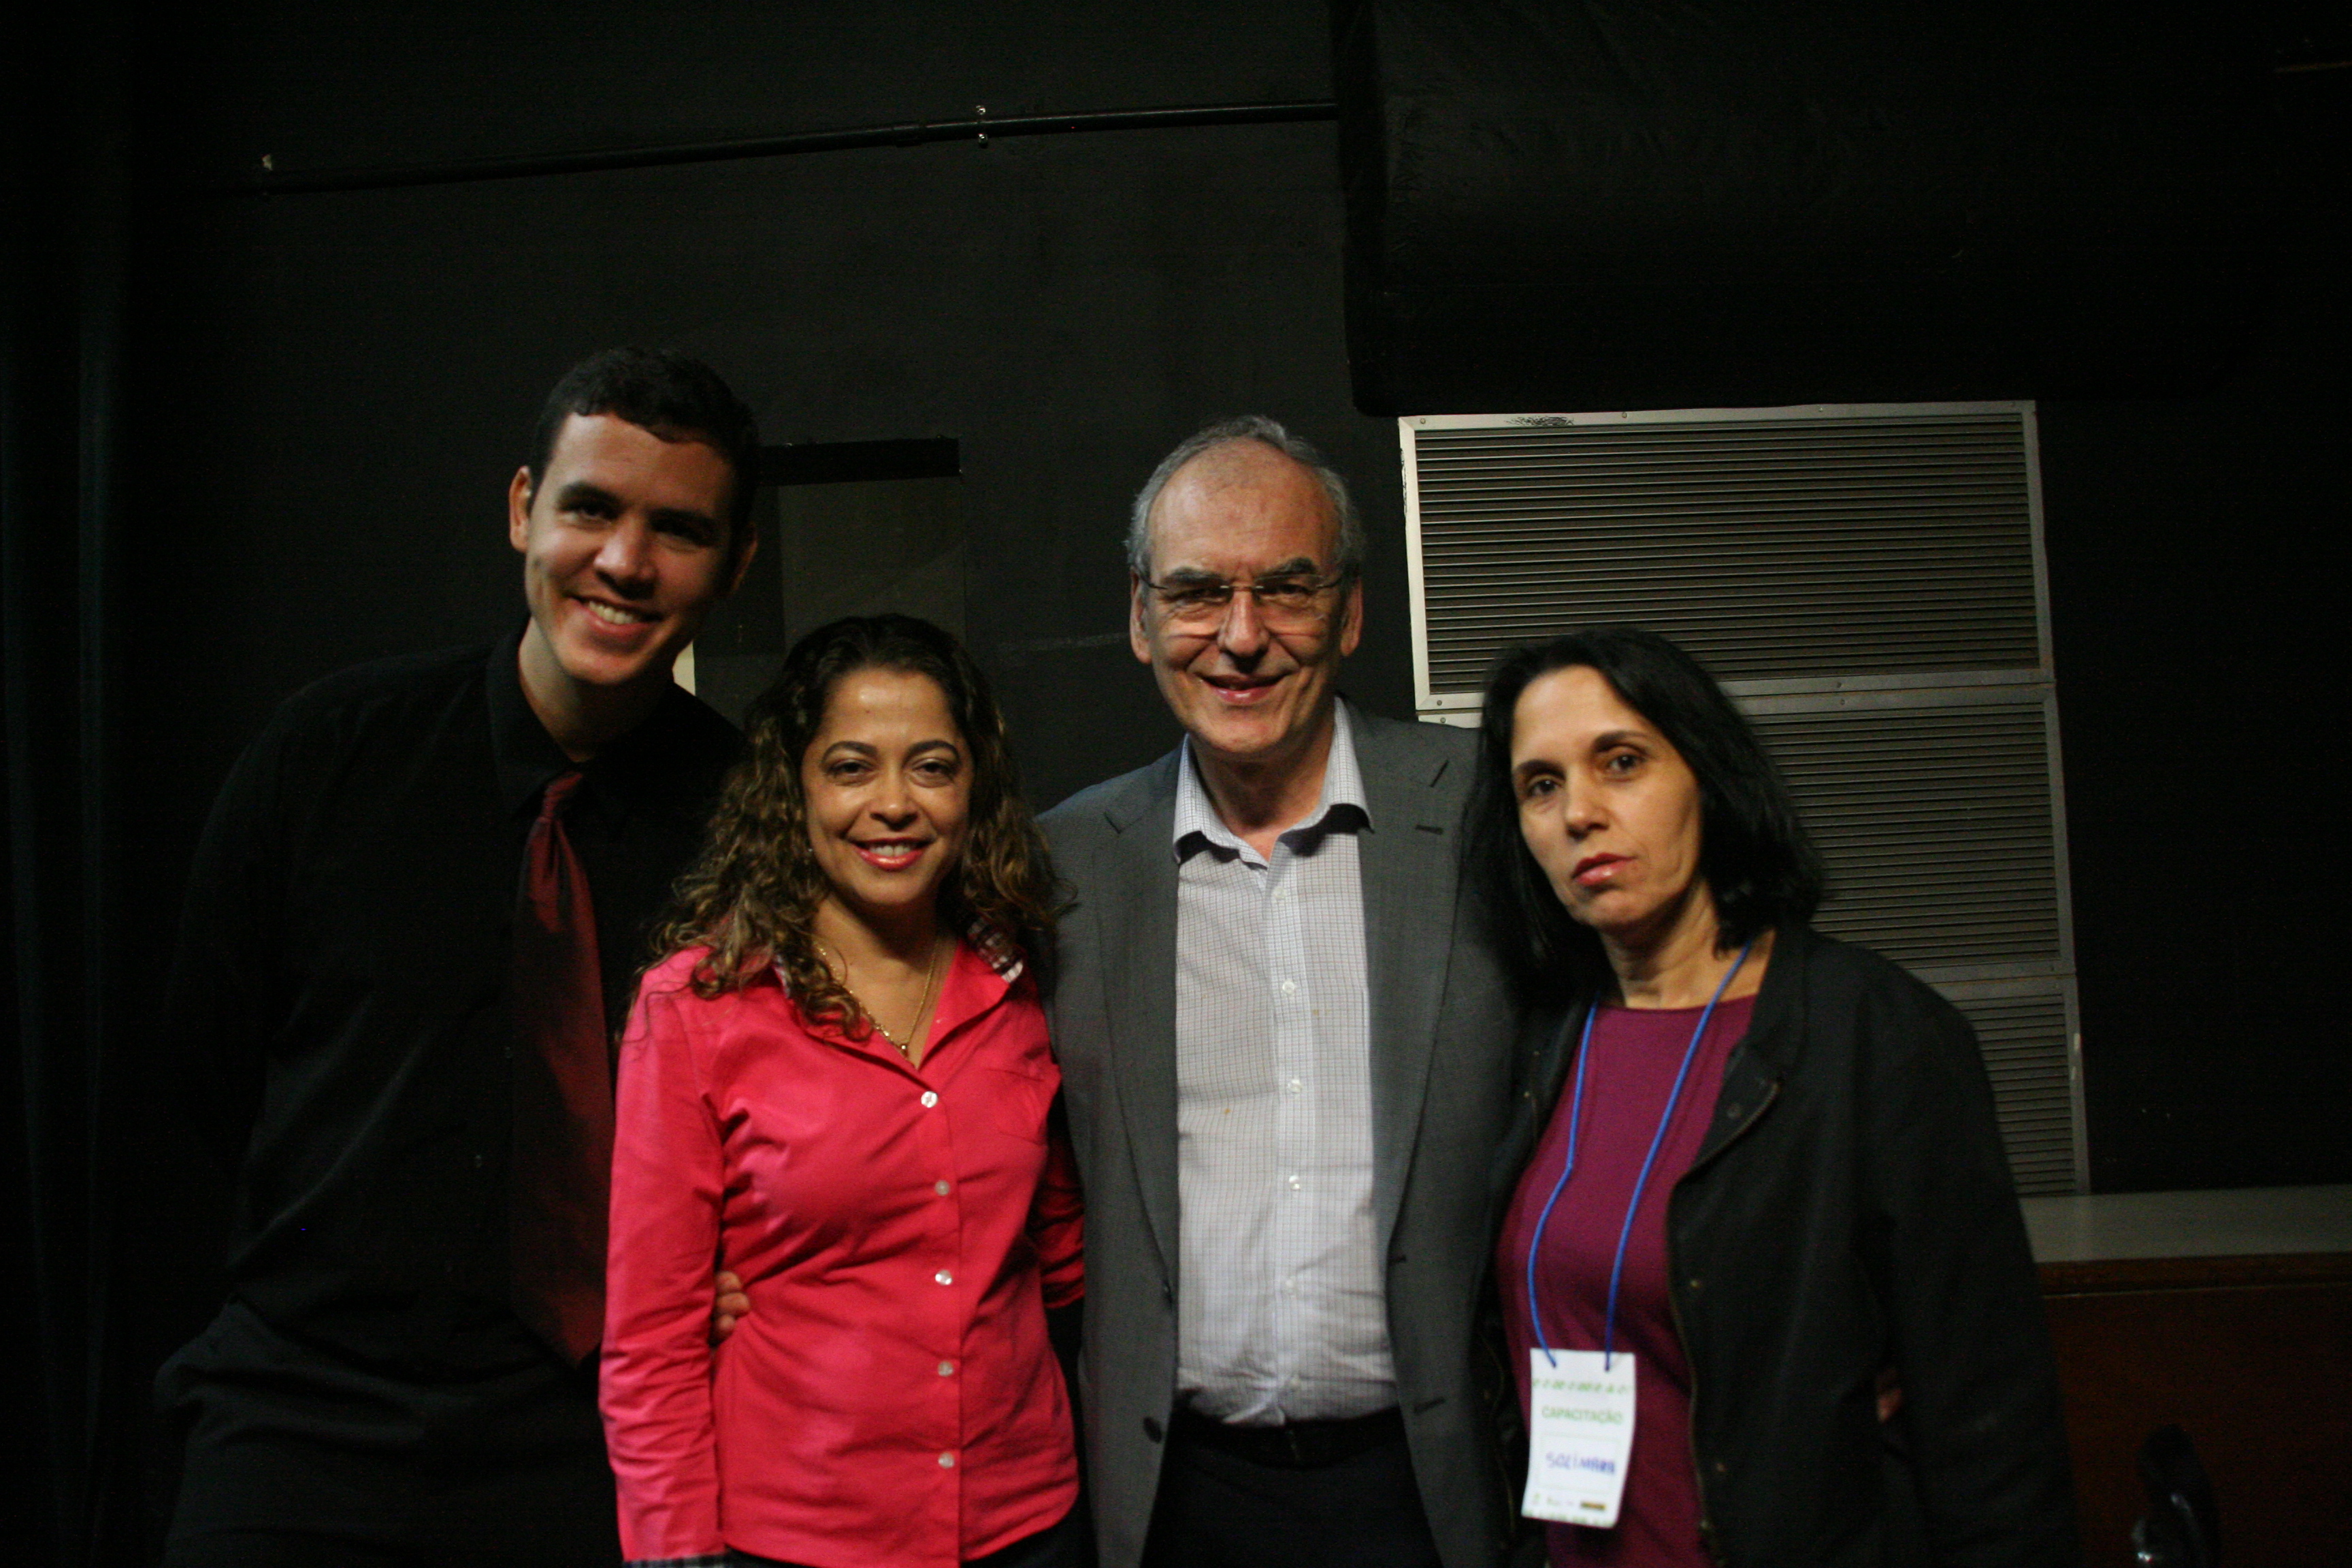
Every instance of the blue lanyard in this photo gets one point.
(1575, 1119)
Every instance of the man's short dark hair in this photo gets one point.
(1758, 860)
(673, 396)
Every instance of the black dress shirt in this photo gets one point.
(339, 1006)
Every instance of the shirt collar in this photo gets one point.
(983, 969)
(1341, 805)
(988, 943)
(999, 950)
(527, 757)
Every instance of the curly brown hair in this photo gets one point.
(753, 894)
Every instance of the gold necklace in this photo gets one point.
(930, 987)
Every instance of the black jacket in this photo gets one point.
(1850, 1208)
(339, 1017)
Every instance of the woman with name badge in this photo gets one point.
(1763, 1268)
(838, 1084)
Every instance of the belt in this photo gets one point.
(1296, 1444)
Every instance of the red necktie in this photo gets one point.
(562, 1164)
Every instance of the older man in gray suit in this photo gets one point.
(1287, 1055)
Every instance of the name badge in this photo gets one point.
(1581, 1436)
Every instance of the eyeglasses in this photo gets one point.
(1283, 604)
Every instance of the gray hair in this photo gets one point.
(1247, 427)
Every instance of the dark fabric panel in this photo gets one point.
(1591, 206)
(849, 461)
(350, 381)
(317, 87)
(2202, 666)
(62, 275)
(2198, 549)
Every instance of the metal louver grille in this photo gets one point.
(1767, 547)
(2024, 1039)
(1865, 582)
(1935, 824)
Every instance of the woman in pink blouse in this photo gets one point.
(837, 1085)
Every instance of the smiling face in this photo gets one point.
(625, 546)
(1246, 694)
(1609, 810)
(888, 779)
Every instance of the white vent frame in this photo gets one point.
(2028, 1114)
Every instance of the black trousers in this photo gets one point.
(1223, 1510)
(297, 1459)
(1068, 1544)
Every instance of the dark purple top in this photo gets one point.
(1635, 1054)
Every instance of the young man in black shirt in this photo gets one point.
(413, 925)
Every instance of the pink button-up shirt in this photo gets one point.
(891, 1397)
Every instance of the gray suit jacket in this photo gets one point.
(1442, 1027)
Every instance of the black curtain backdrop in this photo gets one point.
(64, 236)
(1589, 204)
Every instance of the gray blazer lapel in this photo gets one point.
(1138, 929)
(1409, 867)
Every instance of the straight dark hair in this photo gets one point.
(677, 397)
(1755, 856)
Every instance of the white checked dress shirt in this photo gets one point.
(1281, 1309)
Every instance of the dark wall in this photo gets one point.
(1583, 204)
(2201, 662)
(2199, 551)
(334, 387)
(353, 372)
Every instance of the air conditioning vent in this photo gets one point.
(1936, 826)
(1768, 548)
(1867, 583)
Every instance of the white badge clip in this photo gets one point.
(1581, 1438)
